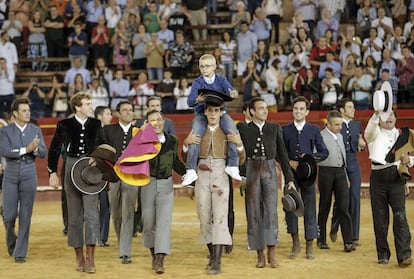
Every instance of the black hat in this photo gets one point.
(86, 178)
(213, 97)
(292, 201)
(306, 171)
(105, 157)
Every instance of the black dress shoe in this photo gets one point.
(126, 259)
(20, 259)
(333, 236)
(383, 261)
(323, 245)
(65, 231)
(228, 249)
(10, 248)
(406, 262)
(348, 247)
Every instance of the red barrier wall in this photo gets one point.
(182, 124)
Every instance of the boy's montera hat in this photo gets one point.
(213, 97)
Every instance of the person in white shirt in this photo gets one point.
(6, 86)
(99, 94)
(8, 50)
(118, 89)
(383, 23)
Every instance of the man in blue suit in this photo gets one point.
(20, 144)
(352, 134)
(302, 138)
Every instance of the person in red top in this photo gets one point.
(318, 54)
(405, 71)
(100, 40)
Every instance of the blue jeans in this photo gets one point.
(199, 126)
(228, 72)
(155, 74)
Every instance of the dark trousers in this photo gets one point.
(230, 219)
(387, 190)
(63, 199)
(261, 204)
(354, 176)
(104, 216)
(274, 19)
(308, 194)
(333, 180)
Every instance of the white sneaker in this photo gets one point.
(189, 177)
(234, 172)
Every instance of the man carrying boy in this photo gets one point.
(209, 80)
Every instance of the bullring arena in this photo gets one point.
(50, 257)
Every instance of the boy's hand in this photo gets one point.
(200, 98)
(234, 93)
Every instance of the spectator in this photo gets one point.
(261, 90)
(228, 48)
(327, 22)
(132, 24)
(179, 56)
(6, 86)
(246, 47)
(308, 9)
(371, 67)
(121, 41)
(197, 10)
(179, 19)
(350, 44)
(77, 86)
(382, 23)
(298, 55)
(250, 75)
(166, 9)
(78, 45)
(274, 80)
(293, 28)
(141, 91)
(303, 39)
(331, 63)
(139, 41)
(408, 25)
(390, 64)
(241, 15)
(37, 98)
(14, 27)
(261, 26)
(330, 40)
(152, 19)
(348, 71)
(165, 35)
(396, 40)
(41, 6)
(75, 12)
(54, 35)
(113, 14)
(102, 73)
(100, 40)
(360, 86)
(181, 91)
(310, 88)
(331, 90)
(165, 90)
(372, 46)
(274, 12)
(77, 68)
(261, 56)
(9, 51)
(336, 8)
(405, 72)
(37, 42)
(95, 10)
(154, 52)
(232, 5)
(365, 15)
(132, 8)
(99, 94)
(118, 89)
(58, 97)
(318, 54)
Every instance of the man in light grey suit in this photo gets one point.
(333, 178)
(20, 144)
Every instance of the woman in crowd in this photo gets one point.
(58, 97)
(228, 48)
(37, 42)
(77, 86)
(249, 76)
(121, 42)
(139, 41)
(181, 91)
(261, 56)
(102, 72)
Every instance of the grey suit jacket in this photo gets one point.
(337, 154)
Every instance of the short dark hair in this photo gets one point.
(245, 106)
(152, 98)
(253, 102)
(301, 99)
(333, 114)
(152, 112)
(341, 103)
(20, 101)
(118, 106)
(99, 110)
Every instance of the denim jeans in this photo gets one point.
(199, 127)
(155, 74)
(228, 72)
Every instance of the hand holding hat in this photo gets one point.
(382, 101)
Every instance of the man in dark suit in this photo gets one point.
(263, 142)
(303, 138)
(78, 136)
(333, 179)
(122, 196)
(20, 144)
(352, 134)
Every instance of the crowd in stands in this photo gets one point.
(334, 49)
